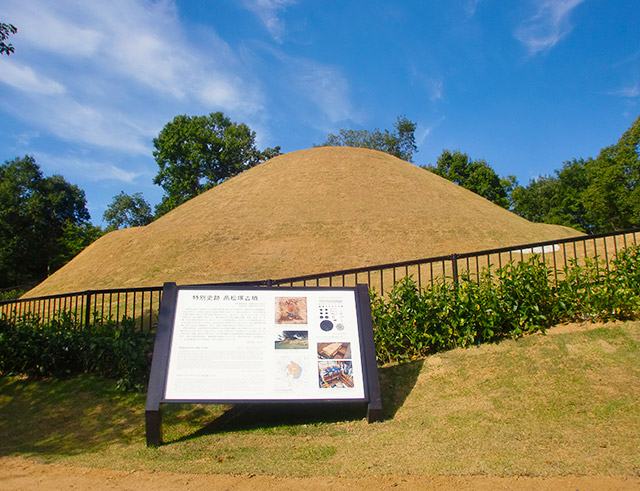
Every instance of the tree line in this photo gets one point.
(44, 221)
(594, 195)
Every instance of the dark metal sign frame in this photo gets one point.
(162, 350)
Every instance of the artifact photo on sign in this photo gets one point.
(334, 351)
(335, 374)
(291, 310)
(292, 340)
(293, 370)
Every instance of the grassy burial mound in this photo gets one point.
(305, 212)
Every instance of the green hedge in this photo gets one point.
(12, 294)
(517, 299)
(63, 348)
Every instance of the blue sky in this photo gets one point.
(525, 84)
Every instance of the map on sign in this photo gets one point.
(258, 344)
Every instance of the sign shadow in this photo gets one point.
(397, 383)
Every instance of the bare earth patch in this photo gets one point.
(23, 474)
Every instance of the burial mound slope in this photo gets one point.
(305, 212)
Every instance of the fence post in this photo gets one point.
(87, 309)
(454, 268)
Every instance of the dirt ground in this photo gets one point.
(22, 474)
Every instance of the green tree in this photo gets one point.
(127, 210)
(35, 211)
(475, 175)
(593, 195)
(401, 142)
(555, 199)
(612, 197)
(6, 30)
(75, 237)
(195, 153)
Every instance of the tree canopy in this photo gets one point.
(593, 195)
(401, 142)
(6, 30)
(475, 175)
(127, 210)
(43, 222)
(195, 153)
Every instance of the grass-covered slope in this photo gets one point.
(304, 212)
(567, 403)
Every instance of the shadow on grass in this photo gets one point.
(81, 414)
(396, 383)
(65, 416)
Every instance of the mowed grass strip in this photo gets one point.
(567, 403)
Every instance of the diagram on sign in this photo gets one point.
(331, 315)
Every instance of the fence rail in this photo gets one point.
(142, 304)
(426, 271)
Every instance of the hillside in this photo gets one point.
(304, 212)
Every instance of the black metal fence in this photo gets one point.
(558, 254)
(84, 308)
(141, 304)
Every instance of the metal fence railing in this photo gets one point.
(558, 254)
(141, 304)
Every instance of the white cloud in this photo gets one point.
(41, 27)
(89, 124)
(470, 7)
(23, 140)
(432, 84)
(24, 78)
(146, 44)
(550, 23)
(324, 85)
(630, 91)
(268, 11)
(95, 171)
(102, 61)
(424, 131)
(423, 134)
(100, 126)
(435, 88)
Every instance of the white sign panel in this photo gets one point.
(265, 345)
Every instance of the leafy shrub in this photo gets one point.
(597, 293)
(63, 348)
(11, 294)
(409, 323)
(517, 299)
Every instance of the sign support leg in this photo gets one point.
(153, 427)
(159, 364)
(374, 411)
(374, 406)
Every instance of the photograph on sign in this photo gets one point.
(265, 345)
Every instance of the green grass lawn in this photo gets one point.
(562, 404)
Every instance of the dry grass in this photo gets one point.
(556, 405)
(305, 212)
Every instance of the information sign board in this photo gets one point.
(239, 344)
